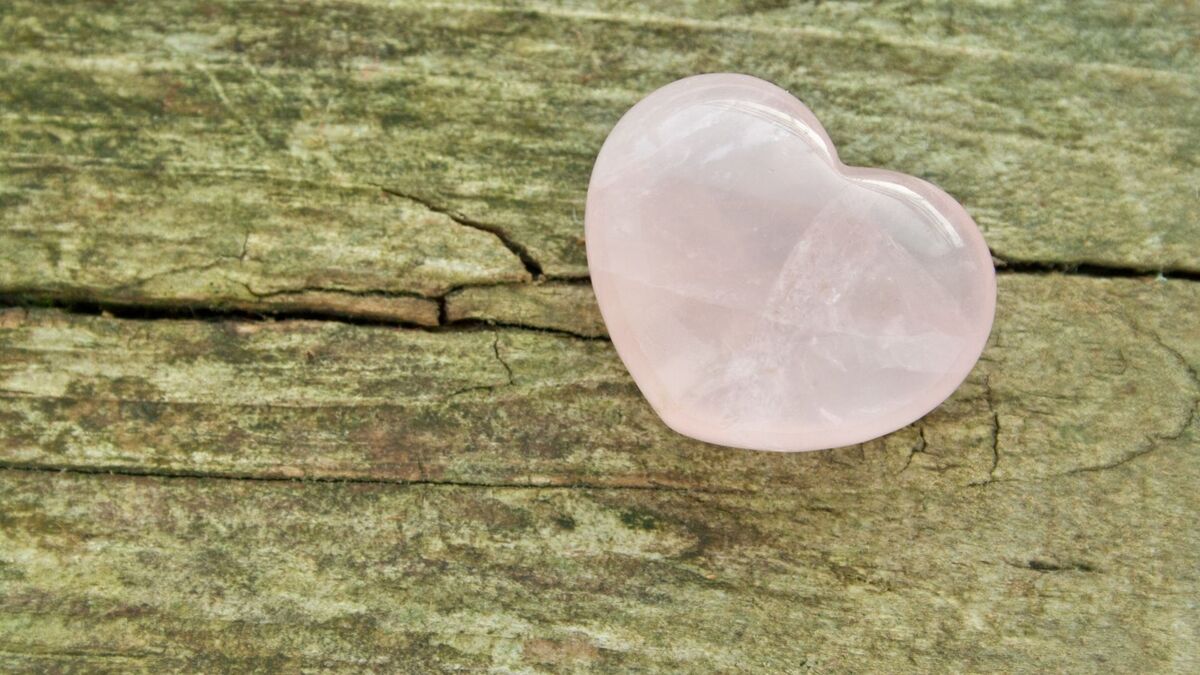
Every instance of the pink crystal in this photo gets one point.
(763, 294)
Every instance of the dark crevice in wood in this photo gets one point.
(84, 303)
(569, 280)
(917, 449)
(334, 289)
(500, 358)
(1154, 441)
(1100, 271)
(142, 311)
(485, 323)
(1038, 565)
(989, 399)
(188, 312)
(518, 249)
(443, 312)
(132, 472)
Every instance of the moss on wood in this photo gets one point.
(444, 466)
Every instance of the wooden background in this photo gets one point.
(300, 368)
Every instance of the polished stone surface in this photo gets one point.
(763, 294)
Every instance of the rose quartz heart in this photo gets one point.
(763, 294)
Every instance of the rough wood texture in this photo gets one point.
(434, 459)
(511, 406)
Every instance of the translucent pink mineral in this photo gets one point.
(763, 294)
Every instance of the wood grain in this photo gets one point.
(1051, 395)
(300, 369)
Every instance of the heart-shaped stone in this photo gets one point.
(763, 294)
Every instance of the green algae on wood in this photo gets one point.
(493, 492)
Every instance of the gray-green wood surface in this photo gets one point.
(300, 368)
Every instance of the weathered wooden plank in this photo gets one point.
(1151, 36)
(849, 575)
(1081, 373)
(216, 152)
(494, 493)
(129, 237)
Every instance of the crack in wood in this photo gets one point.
(532, 266)
(1154, 441)
(171, 311)
(1096, 270)
(917, 449)
(1040, 565)
(84, 302)
(127, 472)
(989, 401)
